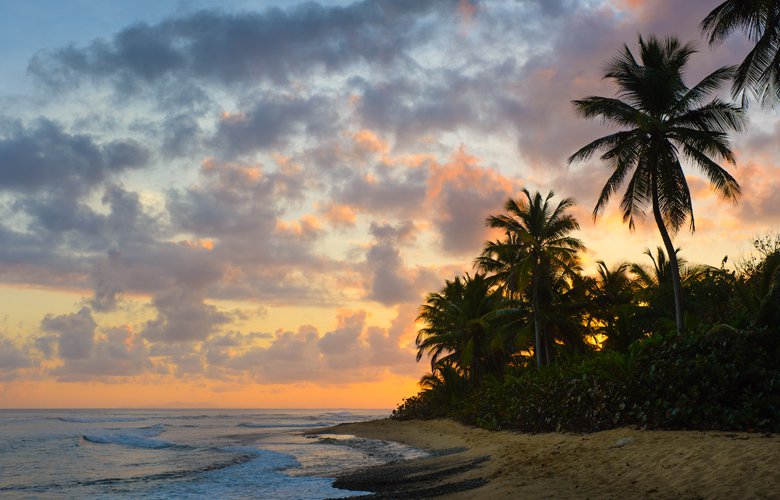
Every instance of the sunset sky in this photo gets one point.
(243, 204)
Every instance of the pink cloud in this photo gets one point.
(461, 194)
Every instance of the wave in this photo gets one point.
(99, 420)
(280, 425)
(134, 438)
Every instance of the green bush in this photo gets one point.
(721, 379)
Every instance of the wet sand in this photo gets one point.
(622, 463)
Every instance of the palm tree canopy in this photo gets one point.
(661, 121)
(659, 275)
(759, 20)
(458, 327)
(612, 286)
(536, 235)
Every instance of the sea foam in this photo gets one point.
(135, 438)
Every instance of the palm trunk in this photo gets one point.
(537, 327)
(548, 347)
(670, 251)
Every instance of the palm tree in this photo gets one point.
(537, 248)
(653, 281)
(612, 304)
(446, 383)
(760, 21)
(661, 119)
(459, 331)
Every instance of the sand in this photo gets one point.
(620, 463)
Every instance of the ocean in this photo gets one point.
(166, 454)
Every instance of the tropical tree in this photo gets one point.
(612, 305)
(460, 331)
(536, 253)
(446, 384)
(661, 121)
(759, 283)
(760, 21)
(653, 282)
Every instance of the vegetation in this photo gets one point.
(635, 369)
(759, 73)
(531, 343)
(536, 258)
(661, 120)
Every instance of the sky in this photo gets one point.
(243, 204)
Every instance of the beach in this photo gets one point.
(467, 462)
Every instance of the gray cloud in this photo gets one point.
(12, 359)
(44, 157)
(342, 347)
(181, 135)
(183, 316)
(390, 281)
(271, 121)
(387, 191)
(243, 47)
(117, 353)
(75, 333)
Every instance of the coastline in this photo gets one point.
(467, 462)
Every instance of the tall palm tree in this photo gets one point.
(459, 330)
(536, 249)
(661, 120)
(760, 21)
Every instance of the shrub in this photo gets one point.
(720, 379)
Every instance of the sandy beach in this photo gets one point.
(622, 463)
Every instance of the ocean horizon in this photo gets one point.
(163, 453)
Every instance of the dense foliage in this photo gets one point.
(531, 343)
(721, 379)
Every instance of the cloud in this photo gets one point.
(108, 283)
(353, 350)
(341, 348)
(74, 333)
(46, 158)
(270, 122)
(392, 347)
(117, 352)
(182, 315)
(462, 194)
(759, 202)
(390, 281)
(13, 358)
(228, 48)
(339, 215)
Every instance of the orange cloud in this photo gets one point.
(339, 215)
(307, 226)
(464, 171)
(369, 141)
(461, 194)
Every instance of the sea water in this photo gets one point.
(162, 454)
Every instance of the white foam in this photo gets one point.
(135, 438)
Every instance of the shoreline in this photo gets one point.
(468, 462)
